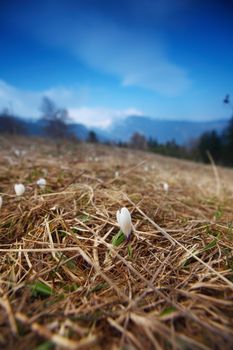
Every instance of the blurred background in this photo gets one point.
(146, 74)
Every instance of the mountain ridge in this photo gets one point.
(181, 131)
(163, 130)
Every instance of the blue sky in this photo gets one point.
(104, 60)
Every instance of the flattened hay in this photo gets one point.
(67, 282)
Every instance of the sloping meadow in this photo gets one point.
(68, 282)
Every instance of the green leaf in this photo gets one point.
(210, 245)
(218, 214)
(118, 239)
(48, 345)
(168, 311)
(130, 253)
(40, 288)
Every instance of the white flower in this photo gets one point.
(19, 189)
(116, 173)
(0, 202)
(124, 221)
(165, 186)
(41, 182)
(17, 152)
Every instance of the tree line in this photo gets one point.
(55, 121)
(220, 146)
(211, 145)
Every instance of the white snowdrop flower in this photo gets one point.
(17, 152)
(146, 168)
(124, 221)
(19, 189)
(165, 186)
(116, 173)
(0, 202)
(41, 182)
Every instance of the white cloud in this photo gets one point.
(100, 116)
(22, 102)
(26, 104)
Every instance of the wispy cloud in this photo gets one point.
(131, 55)
(134, 59)
(27, 104)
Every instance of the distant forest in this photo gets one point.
(209, 147)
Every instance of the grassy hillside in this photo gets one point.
(64, 285)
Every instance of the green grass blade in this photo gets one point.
(118, 239)
(130, 252)
(48, 345)
(40, 288)
(210, 245)
(168, 311)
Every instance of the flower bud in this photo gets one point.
(41, 183)
(19, 189)
(124, 221)
(165, 186)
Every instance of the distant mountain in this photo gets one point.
(122, 130)
(79, 130)
(162, 130)
(36, 128)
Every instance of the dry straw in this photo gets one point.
(63, 283)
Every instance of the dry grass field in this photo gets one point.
(64, 284)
